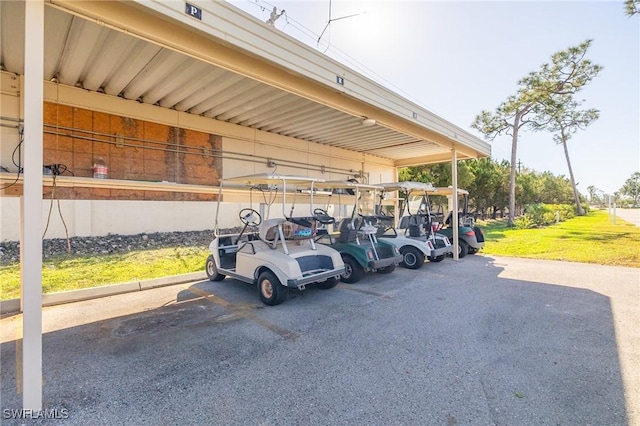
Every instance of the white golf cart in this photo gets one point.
(420, 239)
(276, 253)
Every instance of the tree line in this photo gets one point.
(545, 100)
(627, 196)
(487, 181)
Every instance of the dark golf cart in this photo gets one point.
(355, 236)
(470, 237)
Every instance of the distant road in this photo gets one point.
(630, 215)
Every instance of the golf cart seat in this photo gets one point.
(268, 231)
(348, 231)
(414, 223)
(298, 229)
(463, 220)
(404, 222)
(449, 218)
(384, 223)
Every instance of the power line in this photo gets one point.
(347, 59)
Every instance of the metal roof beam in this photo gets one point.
(225, 39)
(131, 66)
(200, 100)
(262, 113)
(191, 88)
(163, 65)
(189, 70)
(115, 49)
(231, 107)
(259, 106)
(84, 40)
(290, 113)
(314, 128)
(11, 48)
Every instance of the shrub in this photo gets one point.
(524, 222)
(540, 214)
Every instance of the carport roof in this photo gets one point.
(231, 67)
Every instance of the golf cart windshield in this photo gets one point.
(463, 199)
(365, 200)
(282, 189)
(413, 194)
(417, 204)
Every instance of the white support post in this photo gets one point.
(454, 202)
(31, 220)
(396, 205)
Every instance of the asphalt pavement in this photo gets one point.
(630, 215)
(482, 341)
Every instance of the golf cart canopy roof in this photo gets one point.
(407, 186)
(336, 184)
(447, 191)
(270, 178)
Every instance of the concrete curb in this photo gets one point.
(13, 305)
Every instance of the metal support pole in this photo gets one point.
(454, 202)
(396, 205)
(31, 222)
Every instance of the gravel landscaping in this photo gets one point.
(110, 244)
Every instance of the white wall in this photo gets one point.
(85, 218)
(101, 217)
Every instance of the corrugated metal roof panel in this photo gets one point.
(81, 53)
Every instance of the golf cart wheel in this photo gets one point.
(353, 272)
(272, 292)
(436, 258)
(329, 283)
(387, 269)
(412, 257)
(463, 249)
(212, 270)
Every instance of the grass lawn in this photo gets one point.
(592, 239)
(71, 273)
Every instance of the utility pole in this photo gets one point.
(519, 163)
(635, 191)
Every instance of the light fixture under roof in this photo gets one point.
(368, 122)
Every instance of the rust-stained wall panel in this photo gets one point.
(132, 149)
(101, 124)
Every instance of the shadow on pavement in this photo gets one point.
(452, 343)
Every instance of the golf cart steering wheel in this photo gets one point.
(368, 216)
(382, 215)
(322, 216)
(250, 217)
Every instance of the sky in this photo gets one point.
(458, 58)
